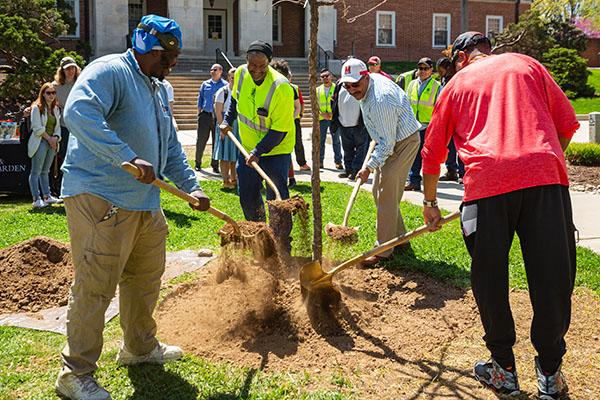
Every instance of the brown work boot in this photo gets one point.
(412, 187)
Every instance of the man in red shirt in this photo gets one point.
(374, 64)
(510, 122)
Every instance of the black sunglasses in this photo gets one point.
(424, 68)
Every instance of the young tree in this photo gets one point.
(28, 29)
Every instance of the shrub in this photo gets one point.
(587, 154)
(569, 70)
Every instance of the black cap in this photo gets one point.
(425, 60)
(261, 47)
(468, 39)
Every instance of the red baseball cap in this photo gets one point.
(374, 60)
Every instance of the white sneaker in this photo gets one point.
(52, 200)
(161, 354)
(82, 387)
(38, 203)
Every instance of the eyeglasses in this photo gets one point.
(214, 69)
(354, 85)
(47, 92)
(325, 76)
(424, 68)
(373, 65)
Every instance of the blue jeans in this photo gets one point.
(250, 184)
(453, 162)
(335, 137)
(40, 168)
(355, 142)
(414, 175)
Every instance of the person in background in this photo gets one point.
(405, 78)
(171, 96)
(455, 169)
(516, 181)
(392, 125)
(43, 144)
(118, 112)
(64, 79)
(324, 95)
(225, 150)
(374, 64)
(206, 122)
(298, 112)
(423, 93)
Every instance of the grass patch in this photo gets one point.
(586, 105)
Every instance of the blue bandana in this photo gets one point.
(143, 41)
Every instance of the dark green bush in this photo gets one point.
(569, 70)
(587, 154)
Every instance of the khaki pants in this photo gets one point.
(388, 188)
(127, 249)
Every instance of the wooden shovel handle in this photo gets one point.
(357, 185)
(135, 171)
(255, 165)
(391, 244)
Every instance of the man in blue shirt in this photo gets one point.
(118, 112)
(206, 118)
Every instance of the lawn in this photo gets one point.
(584, 105)
(30, 360)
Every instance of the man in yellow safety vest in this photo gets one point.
(405, 78)
(324, 96)
(423, 93)
(263, 103)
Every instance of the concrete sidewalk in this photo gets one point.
(586, 206)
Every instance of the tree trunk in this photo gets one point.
(316, 139)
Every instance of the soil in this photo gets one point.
(343, 234)
(257, 237)
(400, 335)
(36, 274)
(584, 179)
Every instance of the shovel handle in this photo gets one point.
(391, 244)
(255, 165)
(135, 171)
(357, 185)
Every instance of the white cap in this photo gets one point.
(353, 70)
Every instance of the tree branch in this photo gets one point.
(517, 40)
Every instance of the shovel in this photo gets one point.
(343, 233)
(135, 171)
(314, 279)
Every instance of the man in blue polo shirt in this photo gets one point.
(206, 119)
(117, 112)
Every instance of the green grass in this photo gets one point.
(29, 360)
(586, 105)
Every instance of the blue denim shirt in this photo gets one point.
(206, 94)
(114, 114)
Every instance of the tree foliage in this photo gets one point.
(568, 10)
(28, 32)
(569, 70)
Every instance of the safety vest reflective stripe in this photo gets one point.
(252, 124)
(325, 99)
(423, 106)
(239, 84)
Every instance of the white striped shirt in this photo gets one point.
(388, 117)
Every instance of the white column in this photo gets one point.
(111, 27)
(256, 22)
(189, 14)
(327, 28)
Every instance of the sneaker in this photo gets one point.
(339, 166)
(496, 378)
(412, 187)
(304, 167)
(292, 182)
(550, 387)
(343, 175)
(52, 200)
(161, 354)
(352, 176)
(83, 387)
(38, 203)
(449, 176)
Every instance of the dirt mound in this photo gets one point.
(395, 335)
(36, 274)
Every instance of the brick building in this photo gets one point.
(398, 30)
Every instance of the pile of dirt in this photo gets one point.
(342, 234)
(395, 334)
(36, 274)
(584, 179)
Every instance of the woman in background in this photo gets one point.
(225, 151)
(43, 144)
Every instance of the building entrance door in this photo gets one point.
(215, 28)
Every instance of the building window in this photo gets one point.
(69, 9)
(277, 25)
(386, 28)
(494, 24)
(137, 9)
(441, 30)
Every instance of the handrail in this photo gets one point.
(219, 52)
(322, 58)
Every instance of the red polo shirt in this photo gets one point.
(506, 114)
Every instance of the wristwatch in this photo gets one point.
(432, 203)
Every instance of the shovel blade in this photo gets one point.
(312, 277)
